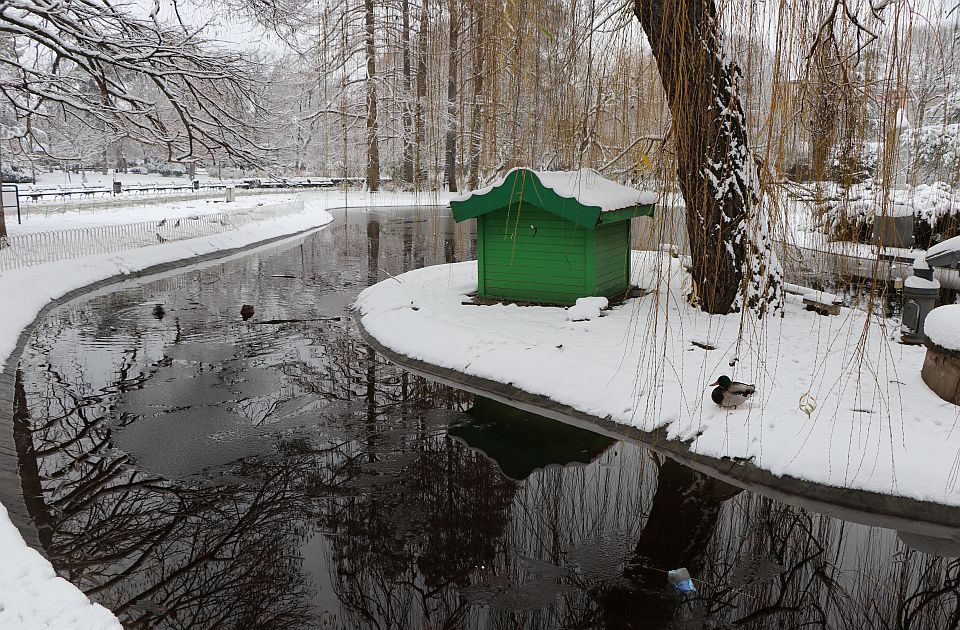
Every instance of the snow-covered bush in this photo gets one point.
(15, 174)
(936, 143)
(937, 148)
(847, 214)
(173, 170)
(937, 208)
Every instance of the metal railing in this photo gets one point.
(37, 194)
(24, 250)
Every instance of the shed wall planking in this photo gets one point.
(611, 259)
(533, 255)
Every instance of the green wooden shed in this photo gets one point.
(553, 236)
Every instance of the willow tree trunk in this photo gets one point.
(824, 109)
(715, 169)
(373, 146)
(450, 163)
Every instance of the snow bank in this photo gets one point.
(31, 596)
(839, 401)
(586, 185)
(942, 326)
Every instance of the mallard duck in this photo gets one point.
(730, 393)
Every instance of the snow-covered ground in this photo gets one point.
(839, 401)
(31, 595)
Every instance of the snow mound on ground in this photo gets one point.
(942, 326)
(34, 597)
(586, 308)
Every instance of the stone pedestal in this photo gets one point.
(941, 372)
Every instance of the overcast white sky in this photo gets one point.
(755, 16)
(233, 30)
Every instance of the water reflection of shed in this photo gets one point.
(553, 236)
(521, 442)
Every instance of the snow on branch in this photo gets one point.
(127, 77)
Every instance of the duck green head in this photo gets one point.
(724, 382)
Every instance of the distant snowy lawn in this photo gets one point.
(874, 424)
(41, 220)
(96, 178)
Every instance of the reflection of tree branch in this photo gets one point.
(110, 518)
(913, 606)
(153, 541)
(392, 570)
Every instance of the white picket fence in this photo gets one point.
(41, 247)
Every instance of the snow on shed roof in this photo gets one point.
(585, 185)
(945, 254)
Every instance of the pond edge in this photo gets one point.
(14, 501)
(876, 509)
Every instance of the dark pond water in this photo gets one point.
(189, 469)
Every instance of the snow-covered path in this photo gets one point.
(32, 596)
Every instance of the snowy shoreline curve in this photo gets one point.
(32, 595)
(877, 451)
